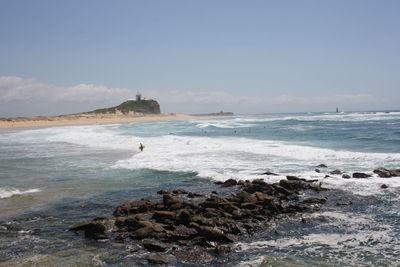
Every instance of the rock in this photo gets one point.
(193, 195)
(134, 207)
(295, 178)
(360, 175)
(179, 191)
(186, 224)
(96, 228)
(184, 217)
(344, 203)
(160, 259)
(317, 170)
(162, 192)
(314, 200)
(164, 216)
(346, 176)
(336, 172)
(229, 182)
(221, 250)
(152, 245)
(384, 186)
(182, 232)
(322, 166)
(169, 200)
(214, 234)
(383, 173)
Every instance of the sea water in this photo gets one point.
(52, 178)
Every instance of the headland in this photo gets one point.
(130, 111)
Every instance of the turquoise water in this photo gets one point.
(51, 178)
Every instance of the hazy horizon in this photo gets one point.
(247, 57)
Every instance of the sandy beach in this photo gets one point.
(80, 119)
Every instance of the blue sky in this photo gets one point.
(199, 56)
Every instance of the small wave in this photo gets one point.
(9, 192)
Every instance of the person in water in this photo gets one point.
(141, 147)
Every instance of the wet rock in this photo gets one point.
(295, 178)
(134, 207)
(169, 200)
(214, 234)
(385, 173)
(336, 172)
(179, 192)
(384, 186)
(229, 182)
(344, 203)
(221, 250)
(164, 216)
(322, 166)
(96, 228)
(346, 176)
(213, 221)
(182, 232)
(161, 259)
(152, 245)
(162, 192)
(317, 170)
(361, 175)
(314, 200)
(193, 195)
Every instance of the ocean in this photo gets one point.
(52, 178)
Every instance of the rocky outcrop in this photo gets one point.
(212, 221)
(385, 173)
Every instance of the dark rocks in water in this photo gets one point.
(294, 178)
(384, 186)
(211, 222)
(336, 172)
(193, 195)
(344, 203)
(317, 170)
(229, 182)
(322, 166)
(96, 229)
(161, 259)
(179, 192)
(152, 245)
(269, 173)
(346, 176)
(134, 207)
(385, 173)
(361, 175)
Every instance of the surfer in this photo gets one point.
(141, 147)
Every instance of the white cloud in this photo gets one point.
(85, 97)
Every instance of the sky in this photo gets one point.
(249, 56)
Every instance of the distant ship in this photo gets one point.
(337, 110)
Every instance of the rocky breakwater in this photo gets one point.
(183, 221)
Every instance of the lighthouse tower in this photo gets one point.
(138, 96)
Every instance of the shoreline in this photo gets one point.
(91, 119)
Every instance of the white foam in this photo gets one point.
(9, 192)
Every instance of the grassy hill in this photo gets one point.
(140, 106)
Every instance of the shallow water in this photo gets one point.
(52, 178)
